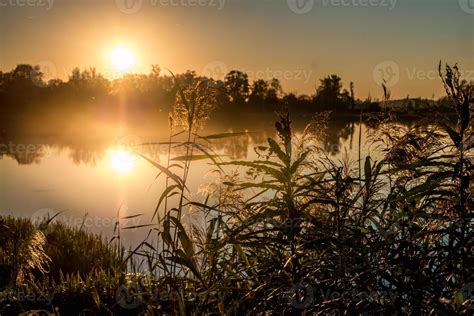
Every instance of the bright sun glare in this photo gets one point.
(121, 161)
(122, 59)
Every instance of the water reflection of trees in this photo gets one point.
(88, 156)
(24, 157)
(27, 150)
(336, 135)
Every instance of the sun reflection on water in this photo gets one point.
(121, 160)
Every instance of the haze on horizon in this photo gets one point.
(296, 41)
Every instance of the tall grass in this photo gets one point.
(39, 263)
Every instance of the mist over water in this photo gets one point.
(94, 177)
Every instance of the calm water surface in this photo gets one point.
(93, 182)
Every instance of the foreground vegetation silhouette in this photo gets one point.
(289, 233)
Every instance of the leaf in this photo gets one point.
(178, 133)
(368, 172)
(193, 157)
(186, 243)
(132, 216)
(189, 264)
(212, 157)
(453, 134)
(163, 196)
(96, 297)
(223, 135)
(138, 226)
(157, 143)
(165, 170)
(184, 238)
(242, 254)
(298, 162)
(210, 229)
(262, 185)
(203, 206)
(277, 150)
(176, 222)
(166, 232)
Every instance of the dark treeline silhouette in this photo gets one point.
(137, 97)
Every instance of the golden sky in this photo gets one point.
(296, 41)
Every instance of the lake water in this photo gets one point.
(92, 180)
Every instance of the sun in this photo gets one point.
(122, 59)
(121, 161)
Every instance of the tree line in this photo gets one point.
(25, 88)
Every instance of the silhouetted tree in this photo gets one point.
(274, 91)
(88, 84)
(259, 91)
(28, 74)
(330, 96)
(237, 86)
(186, 79)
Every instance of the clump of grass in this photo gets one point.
(22, 250)
(49, 261)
